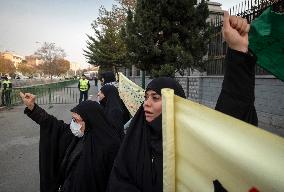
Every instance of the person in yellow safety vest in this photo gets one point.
(1, 91)
(6, 91)
(84, 87)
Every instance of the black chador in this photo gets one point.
(139, 163)
(72, 163)
(112, 107)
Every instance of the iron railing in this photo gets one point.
(249, 9)
(54, 93)
(48, 95)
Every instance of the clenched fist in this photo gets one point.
(235, 32)
(28, 99)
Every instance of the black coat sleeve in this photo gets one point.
(237, 95)
(55, 137)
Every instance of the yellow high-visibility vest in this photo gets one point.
(84, 84)
(8, 84)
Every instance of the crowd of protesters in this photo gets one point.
(92, 153)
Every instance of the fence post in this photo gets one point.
(143, 79)
(187, 87)
(49, 95)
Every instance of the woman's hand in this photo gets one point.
(235, 32)
(28, 99)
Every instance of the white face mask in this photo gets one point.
(75, 129)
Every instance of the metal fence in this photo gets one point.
(190, 84)
(249, 9)
(54, 93)
(48, 95)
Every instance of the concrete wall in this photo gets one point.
(269, 104)
(269, 97)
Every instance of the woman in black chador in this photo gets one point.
(139, 164)
(112, 106)
(108, 78)
(77, 156)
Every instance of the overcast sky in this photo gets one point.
(63, 22)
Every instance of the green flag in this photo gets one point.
(266, 40)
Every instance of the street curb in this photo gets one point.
(2, 108)
(5, 108)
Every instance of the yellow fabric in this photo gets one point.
(210, 145)
(131, 94)
(168, 140)
(84, 84)
(201, 145)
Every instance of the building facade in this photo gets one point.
(33, 60)
(15, 58)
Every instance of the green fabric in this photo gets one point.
(266, 40)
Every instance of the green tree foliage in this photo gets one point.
(164, 35)
(107, 47)
(126, 5)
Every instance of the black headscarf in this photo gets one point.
(165, 82)
(96, 122)
(97, 150)
(112, 106)
(139, 163)
(108, 77)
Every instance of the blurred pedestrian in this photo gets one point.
(96, 81)
(6, 91)
(1, 91)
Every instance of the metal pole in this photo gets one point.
(49, 95)
(143, 79)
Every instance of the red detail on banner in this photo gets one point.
(253, 189)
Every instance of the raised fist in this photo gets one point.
(235, 32)
(28, 99)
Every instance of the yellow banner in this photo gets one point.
(131, 94)
(201, 145)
